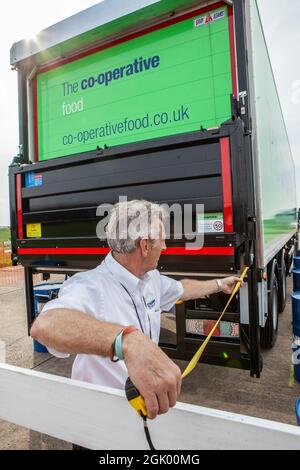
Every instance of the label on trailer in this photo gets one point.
(207, 19)
(210, 223)
(169, 81)
(34, 230)
(204, 327)
(33, 179)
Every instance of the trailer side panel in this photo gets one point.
(275, 178)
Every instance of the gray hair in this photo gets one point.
(131, 221)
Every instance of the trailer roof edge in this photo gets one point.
(101, 20)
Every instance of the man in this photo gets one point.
(93, 308)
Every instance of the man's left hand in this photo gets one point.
(229, 283)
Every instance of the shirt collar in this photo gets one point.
(125, 277)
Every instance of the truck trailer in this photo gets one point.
(173, 101)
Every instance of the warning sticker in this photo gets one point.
(34, 230)
(209, 18)
(210, 223)
(33, 179)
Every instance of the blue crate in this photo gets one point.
(42, 294)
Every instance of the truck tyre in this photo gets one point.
(268, 334)
(282, 282)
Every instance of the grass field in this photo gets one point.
(4, 234)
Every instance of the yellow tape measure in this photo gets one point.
(192, 364)
(133, 395)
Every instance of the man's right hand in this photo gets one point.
(157, 378)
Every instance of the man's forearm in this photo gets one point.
(195, 289)
(74, 332)
(157, 378)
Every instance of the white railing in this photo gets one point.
(101, 418)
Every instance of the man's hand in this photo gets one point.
(193, 289)
(157, 378)
(229, 283)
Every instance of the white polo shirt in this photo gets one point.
(111, 293)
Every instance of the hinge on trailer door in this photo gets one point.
(251, 238)
(239, 106)
(242, 105)
(19, 159)
(251, 227)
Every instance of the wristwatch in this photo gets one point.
(219, 284)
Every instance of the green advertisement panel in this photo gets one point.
(170, 81)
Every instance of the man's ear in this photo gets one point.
(144, 245)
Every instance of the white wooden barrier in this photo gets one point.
(101, 418)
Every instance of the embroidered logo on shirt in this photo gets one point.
(151, 304)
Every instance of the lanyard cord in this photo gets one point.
(133, 302)
(136, 310)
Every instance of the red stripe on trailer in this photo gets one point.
(19, 206)
(205, 251)
(232, 52)
(63, 251)
(227, 190)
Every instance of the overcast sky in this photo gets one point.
(20, 19)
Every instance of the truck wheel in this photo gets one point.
(268, 334)
(282, 283)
